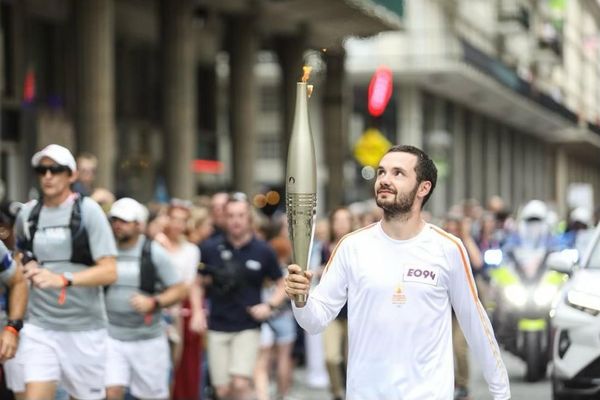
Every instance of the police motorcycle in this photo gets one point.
(523, 289)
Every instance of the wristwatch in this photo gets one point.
(69, 277)
(15, 323)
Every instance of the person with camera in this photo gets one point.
(71, 253)
(235, 266)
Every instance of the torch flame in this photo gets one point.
(306, 73)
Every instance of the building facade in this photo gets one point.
(503, 94)
(136, 82)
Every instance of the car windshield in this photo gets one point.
(594, 261)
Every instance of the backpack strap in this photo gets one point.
(80, 244)
(26, 243)
(148, 275)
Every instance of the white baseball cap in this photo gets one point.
(581, 214)
(128, 210)
(59, 154)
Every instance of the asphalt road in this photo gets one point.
(520, 390)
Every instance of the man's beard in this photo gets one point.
(401, 206)
(124, 238)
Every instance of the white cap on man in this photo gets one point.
(582, 215)
(59, 154)
(129, 210)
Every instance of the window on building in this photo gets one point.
(269, 99)
(8, 50)
(269, 148)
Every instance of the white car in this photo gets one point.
(575, 319)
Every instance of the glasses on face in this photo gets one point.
(54, 169)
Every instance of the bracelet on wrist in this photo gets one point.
(17, 324)
(11, 329)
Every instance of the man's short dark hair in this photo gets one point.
(425, 168)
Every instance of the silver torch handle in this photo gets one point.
(301, 216)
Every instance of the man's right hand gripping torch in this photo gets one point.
(301, 182)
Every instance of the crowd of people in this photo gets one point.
(110, 298)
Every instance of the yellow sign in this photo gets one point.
(370, 147)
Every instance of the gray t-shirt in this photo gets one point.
(7, 271)
(124, 323)
(83, 309)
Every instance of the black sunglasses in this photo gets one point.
(54, 169)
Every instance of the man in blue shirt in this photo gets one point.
(236, 264)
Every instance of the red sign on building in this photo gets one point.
(380, 91)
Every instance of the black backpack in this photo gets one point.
(80, 244)
(148, 276)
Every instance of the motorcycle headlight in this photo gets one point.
(492, 257)
(516, 294)
(583, 301)
(544, 294)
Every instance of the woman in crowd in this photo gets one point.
(189, 316)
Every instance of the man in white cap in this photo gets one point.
(138, 351)
(579, 230)
(71, 256)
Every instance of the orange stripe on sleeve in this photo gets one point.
(480, 311)
(463, 258)
(340, 242)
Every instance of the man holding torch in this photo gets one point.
(401, 278)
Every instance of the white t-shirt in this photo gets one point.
(400, 295)
(186, 258)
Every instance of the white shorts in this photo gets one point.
(141, 365)
(75, 359)
(14, 373)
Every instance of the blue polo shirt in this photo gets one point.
(257, 261)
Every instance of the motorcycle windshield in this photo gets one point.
(529, 260)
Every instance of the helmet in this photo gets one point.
(534, 210)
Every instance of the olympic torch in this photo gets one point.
(301, 181)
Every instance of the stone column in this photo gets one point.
(506, 163)
(334, 124)
(243, 99)
(438, 142)
(410, 110)
(550, 172)
(476, 158)
(208, 44)
(518, 165)
(458, 171)
(95, 20)
(492, 156)
(539, 169)
(179, 95)
(528, 170)
(562, 180)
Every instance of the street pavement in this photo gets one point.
(520, 389)
(479, 390)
